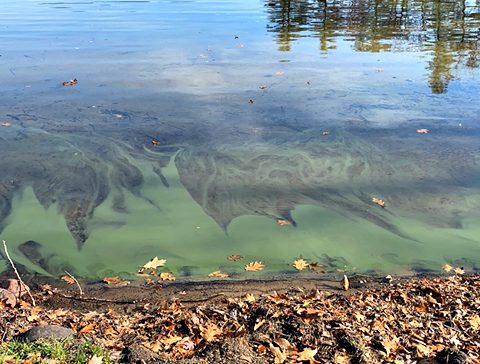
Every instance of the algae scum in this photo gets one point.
(196, 126)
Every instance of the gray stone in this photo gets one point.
(46, 332)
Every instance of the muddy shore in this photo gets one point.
(431, 319)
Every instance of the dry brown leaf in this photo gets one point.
(345, 283)
(218, 274)
(316, 267)
(307, 355)
(378, 201)
(390, 345)
(211, 332)
(254, 266)
(235, 257)
(155, 142)
(154, 263)
(17, 288)
(95, 360)
(282, 222)
(279, 355)
(115, 281)
(34, 314)
(422, 131)
(475, 322)
(8, 297)
(171, 340)
(300, 264)
(167, 276)
(87, 328)
(70, 83)
(68, 279)
(422, 350)
(341, 358)
(447, 267)
(459, 270)
(262, 87)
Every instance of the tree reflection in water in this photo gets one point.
(449, 31)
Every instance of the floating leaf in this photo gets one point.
(262, 87)
(235, 257)
(155, 142)
(447, 267)
(154, 263)
(254, 266)
(423, 131)
(459, 270)
(300, 264)
(218, 274)
(167, 276)
(282, 222)
(70, 83)
(316, 267)
(378, 201)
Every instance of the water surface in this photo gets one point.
(260, 110)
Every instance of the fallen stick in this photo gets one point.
(78, 284)
(22, 284)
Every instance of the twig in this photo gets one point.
(22, 284)
(78, 284)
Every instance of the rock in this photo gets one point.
(46, 332)
(138, 354)
(452, 356)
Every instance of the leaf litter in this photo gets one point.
(403, 321)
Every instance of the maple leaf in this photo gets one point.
(234, 257)
(447, 267)
(345, 283)
(218, 274)
(422, 131)
(87, 328)
(154, 263)
(167, 276)
(282, 222)
(95, 360)
(254, 266)
(300, 264)
(307, 355)
(378, 201)
(68, 279)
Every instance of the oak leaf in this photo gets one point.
(447, 268)
(211, 332)
(167, 276)
(282, 222)
(300, 264)
(87, 328)
(115, 281)
(171, 340)
(279, 355)
(254, 266)
(154, 263)
(218, 274)
(235, 257)
(8, 297)
(341, 358)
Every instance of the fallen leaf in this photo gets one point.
(95, 360)
(17, 288)
(70, 83)
(279, 355)
(345, 283)
(459, 270)
(422, 131)
(447, 267)
(235, 257)
(188, 345)
(307, 355)
(8, 297)
(341, 358)
(68, 279)
(218, 274)
(254, 266)
(300, 264)
(316, 267)
(34, 314)
(211, 332)
(378, 201)
(282, 222)
(154, 263)
(87, 328)
(262, 87)
(475, 322)
(155, 142)
(115, 281)
(171, 340)
(167, 276)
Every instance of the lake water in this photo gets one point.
(196, 126)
